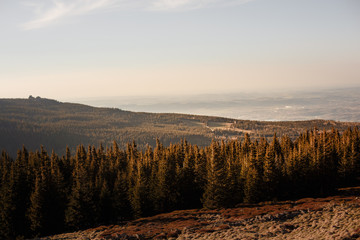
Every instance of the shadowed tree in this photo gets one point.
(215, 195)
(253, 183)
(81, 207)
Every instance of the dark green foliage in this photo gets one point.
(38, 212)
(43, 195)
(272, 171)
(81, 207)
(189, 193)
(120, 199)
(252, 177)
(216, 189)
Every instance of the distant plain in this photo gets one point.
(291, 105)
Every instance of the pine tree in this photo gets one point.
(105, 207)
(8, 205)
(140, 197)
(235, 186)
(38, 211)
(328, 164)
(120, 196)
(167, 191)
(200, 169)
(253, 183)
(348, 169)
(271, 175)
(215, 195)
(81, 208)
(188, 189)
(56, 196)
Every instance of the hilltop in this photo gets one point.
(38, 121)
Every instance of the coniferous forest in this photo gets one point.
(43, 193)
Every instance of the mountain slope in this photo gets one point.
(333, 217)
(36, 121)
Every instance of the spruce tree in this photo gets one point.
(38, 210)
(253, 183)
(140, 197)
(81, 208)
(215, 195)
(167, 191)
(188, 189)
(120, 198)
(271, 175)
(8, 205)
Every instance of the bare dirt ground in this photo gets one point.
(335, 217)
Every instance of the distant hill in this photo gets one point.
(37, 121)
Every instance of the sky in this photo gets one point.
(66, 49)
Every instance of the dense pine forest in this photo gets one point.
(43, 193)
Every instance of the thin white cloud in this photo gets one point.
(49, 12)
(172, 4)
(59, 9)
(165, 5)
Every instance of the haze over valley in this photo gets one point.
(341, 104)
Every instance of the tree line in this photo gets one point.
(43, 194)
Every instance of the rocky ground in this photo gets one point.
(335, 217)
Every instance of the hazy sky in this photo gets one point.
(65, 49)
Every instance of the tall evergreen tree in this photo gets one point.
(272, 174)
(253, 182)
(120, 196)
(81, 208)
(186, 182)
(39, 207)
(215, 195)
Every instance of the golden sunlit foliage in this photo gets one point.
(42, 194)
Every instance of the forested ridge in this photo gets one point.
(44, 193)
(38, 121)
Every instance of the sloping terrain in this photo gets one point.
(36, 121)
(336, 217)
